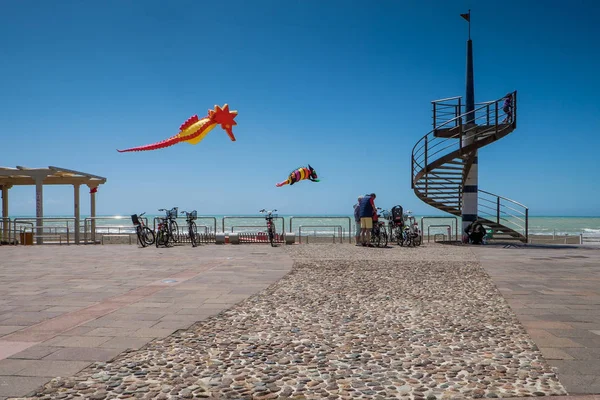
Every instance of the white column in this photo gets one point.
(5, 224)
(39, 208)
(76, 212)
(93, 212)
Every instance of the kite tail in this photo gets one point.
(165, 143)
(280, 184)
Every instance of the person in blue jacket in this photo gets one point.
(366, 212)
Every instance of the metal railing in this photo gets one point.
(90, 228)
(436, 234)
(503, 211)
(62, 227)
(329, 218)
(253, 218)
(443, 217)
(5, 236)
(339, 228)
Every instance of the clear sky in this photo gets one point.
(343, 85)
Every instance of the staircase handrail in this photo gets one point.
(500, 214)
(504, 198)
(457, 120)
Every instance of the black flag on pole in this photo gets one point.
(467, 17)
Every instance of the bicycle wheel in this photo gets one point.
(398, 238)
(174, 230)
(271, 237)
(192, 234)
(159, 237)
(138, 232)
(147, 236)
(417, 241)
(383, 238)
(375, 239)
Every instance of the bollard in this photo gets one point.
(290, 238)
(220, 238)
(234, 238)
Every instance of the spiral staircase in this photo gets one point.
(442, 159)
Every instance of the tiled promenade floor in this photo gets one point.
(64, 307)
(555, 293)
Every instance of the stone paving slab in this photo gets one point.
(64, 307)
(555, 293)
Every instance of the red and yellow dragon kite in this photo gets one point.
(194, 130)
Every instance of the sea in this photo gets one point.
(317, 225)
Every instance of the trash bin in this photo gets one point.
(26, 238)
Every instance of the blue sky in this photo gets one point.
(343, 85)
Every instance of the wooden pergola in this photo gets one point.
(39, 177)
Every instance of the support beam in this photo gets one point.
(5, 224)
(470, 188)
(93, 211)
(76, 212)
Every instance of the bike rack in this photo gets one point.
(455, 225)
(254, 217)
(439, 226)
(326, 226)
(247, 226)
(339, 228)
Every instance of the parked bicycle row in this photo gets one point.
(167, 231)
(383, 226)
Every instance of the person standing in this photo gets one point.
(366, 212)
(357, 220)
(507, 107)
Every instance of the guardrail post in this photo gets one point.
(496, 117)
(498, 210)
(434, 115)
(487, 113)
(460, 135)
(459, 108)
(426, 150)
(527, 225)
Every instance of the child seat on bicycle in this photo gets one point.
(398, 215)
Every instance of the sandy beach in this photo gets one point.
(346, 322)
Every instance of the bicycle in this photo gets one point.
(379, 235)
(144, 234)
(270, 225)
(411, 235)
(192, 229)
(396, 225)
(163, 233)
(172, 225)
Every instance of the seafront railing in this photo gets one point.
(306, 229)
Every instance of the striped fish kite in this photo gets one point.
(300, 174)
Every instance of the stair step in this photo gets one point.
(438, 171)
